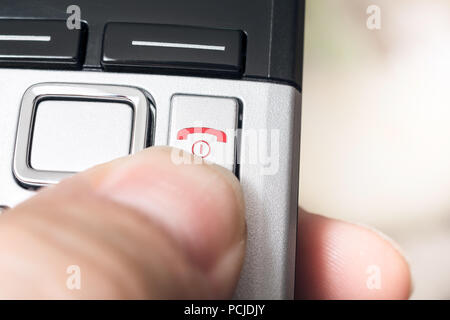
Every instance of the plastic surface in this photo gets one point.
(41, 44)
(274, 28)
(269, 181)
(173, 49)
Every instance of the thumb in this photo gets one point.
(138, 227)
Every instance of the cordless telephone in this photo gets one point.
(83, 82)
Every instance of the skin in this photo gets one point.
(143, 227)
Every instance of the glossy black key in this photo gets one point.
(173, 49)
(41, 44)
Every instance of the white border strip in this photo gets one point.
(177, 45)
(24, 38)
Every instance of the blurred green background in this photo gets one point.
(376, 126)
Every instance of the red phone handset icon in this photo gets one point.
(202, 148)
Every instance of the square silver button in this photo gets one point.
(72, 136)
(64, 128)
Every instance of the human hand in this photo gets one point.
(138, 229)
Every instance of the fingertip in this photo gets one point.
(339, 260)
